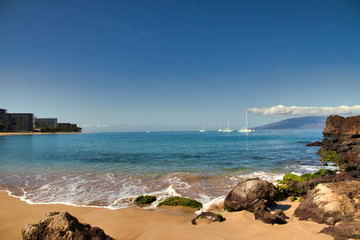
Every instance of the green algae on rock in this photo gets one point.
(180, 201)
(329, 156)
(290, 186)
(305, 177)
(144, 200)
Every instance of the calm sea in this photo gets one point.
(110, 169)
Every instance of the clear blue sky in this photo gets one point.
(149, 65)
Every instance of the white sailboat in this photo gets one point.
(228, 128)
(202, 130)
(246, 129)
(220, 129)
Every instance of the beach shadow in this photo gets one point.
(283, 207)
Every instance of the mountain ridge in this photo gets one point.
(311, 122)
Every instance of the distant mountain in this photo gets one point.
(296, 123)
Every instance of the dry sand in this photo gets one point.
(161, 224)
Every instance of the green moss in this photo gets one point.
(179, 201)
(321, 172)
(293, 198)
(286, 191)
(301, 199)
(144, 200)
(329, 156)
(305, 177)
(289, 176)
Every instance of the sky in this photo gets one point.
(156, 65)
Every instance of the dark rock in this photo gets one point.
(249, 192)
(324, 164)
(264, 214)
(212, 217)
(55, 225)
(330, 202)
(344, 230)
(255, 196)
(314, 144)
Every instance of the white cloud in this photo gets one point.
(86, 125)
(281, 110)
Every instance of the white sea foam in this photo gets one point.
(269, 176)
(209, 205)
(302, 169)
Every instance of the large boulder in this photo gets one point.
(62, 226)
(248, 193)
(330, 202)
(255, 196)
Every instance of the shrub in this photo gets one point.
(293, 198)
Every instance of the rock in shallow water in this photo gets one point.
(62, 226)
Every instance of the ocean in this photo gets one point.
(111, 169)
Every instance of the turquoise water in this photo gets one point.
(109, 169)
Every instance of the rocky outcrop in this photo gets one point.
(304, 187)
(335, 199)
(337, 125)
(62, 226)
(256, 196)
(331, 202)
(344, 150)
(344, 230)
(341, 144)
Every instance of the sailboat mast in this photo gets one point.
(228, 124)
(246, 120)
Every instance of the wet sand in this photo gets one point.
(160, 224)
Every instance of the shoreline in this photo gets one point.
(160, 224)
(36, 133)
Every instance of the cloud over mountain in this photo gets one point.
(281, 110)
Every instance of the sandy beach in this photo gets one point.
(165, 223)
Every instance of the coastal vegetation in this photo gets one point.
(62, 128)
(180, 201)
